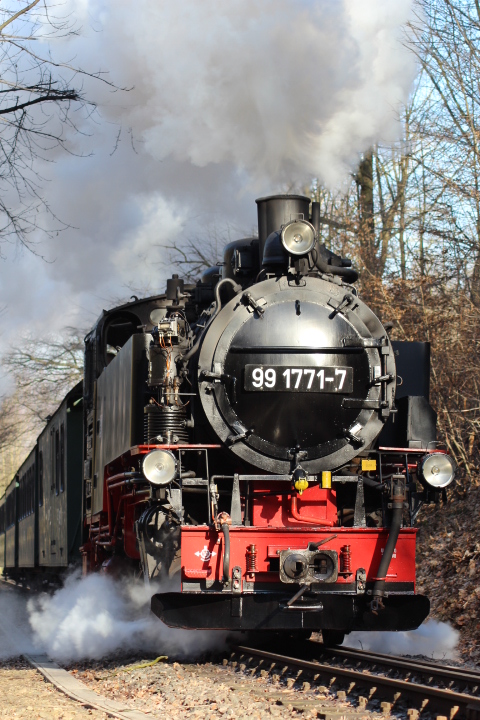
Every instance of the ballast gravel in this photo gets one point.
(212, 690)
(175, 690)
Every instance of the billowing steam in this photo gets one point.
(229, 100)
(93, 616)
(281, 89)
(15, 638)
(433, 639)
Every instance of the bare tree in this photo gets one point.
(447, 44)
(44, 369)
(37, 96)
(192, 256)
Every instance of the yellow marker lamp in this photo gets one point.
(326, 479)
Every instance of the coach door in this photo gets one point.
(52, 492)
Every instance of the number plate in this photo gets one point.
(299, 379)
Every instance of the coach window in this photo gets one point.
(57, 462)
(21, 503)
(40, 478)
(31, 502)
(10, 511)
(62, 457)
(52, 459)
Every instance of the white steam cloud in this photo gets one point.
(15, 638)
(94, 616)
(229, 100)
(281, 89)
(433, 639)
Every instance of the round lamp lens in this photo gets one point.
(160, 467)
(298, 237)
(438, 470)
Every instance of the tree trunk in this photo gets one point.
(366, 223)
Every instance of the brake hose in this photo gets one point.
(398, 497)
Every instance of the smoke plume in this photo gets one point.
(15, 638)
(276, 90)
(226, 100)
(433, 639)
(94, 616)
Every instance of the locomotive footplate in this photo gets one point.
(269, 611)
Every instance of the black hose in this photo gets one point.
(143, 522)
(379, 586)
(369, 482)
(348, 274)
(226, 552)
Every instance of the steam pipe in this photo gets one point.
(222, 283)
(369, 482)
(128, 481)
(348, 274)
(307, 518)
(124, 476)
(316, 216)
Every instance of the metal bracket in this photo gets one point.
(241, 433)
(382, 379)
(298, 455)
(361, 580)
(354, 438)
(229, 380)
(340, 307)
(253, 305)
(174, 497)
(360, 342)
(143, 556)
(360, 404)
(235, 507)
(316, 607)
(237, 580)
(359, 519)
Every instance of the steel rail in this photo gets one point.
(452, 698)
(413, 666)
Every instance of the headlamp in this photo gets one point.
(160, 467)
(298, 237)
(437, 470)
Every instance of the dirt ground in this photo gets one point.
(25, 694)
(203, 691)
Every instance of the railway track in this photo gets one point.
(405, 687)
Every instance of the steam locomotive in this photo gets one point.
(253, 445)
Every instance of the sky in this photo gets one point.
(226, 102)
